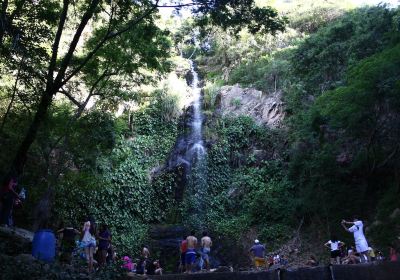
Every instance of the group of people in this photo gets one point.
(144, 265)
(95, 252)
(99, 250)
(361, 253)
(189, 252)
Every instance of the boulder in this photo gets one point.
(265, 109)
(15, 241)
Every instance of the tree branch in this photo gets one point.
(109, 36)
(13, 94)
(70, 97)
(67, 59)
(56, 43)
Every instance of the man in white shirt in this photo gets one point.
(359, 238)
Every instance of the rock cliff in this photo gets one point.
(266, 109)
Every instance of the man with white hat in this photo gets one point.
(258, 251)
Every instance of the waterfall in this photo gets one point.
(196, 187)
(196, 149)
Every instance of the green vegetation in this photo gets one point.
(340, 81)
(89, 123)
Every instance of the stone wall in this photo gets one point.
(375, 271)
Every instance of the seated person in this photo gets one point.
(352, 257)
(158, 270)
(312, 261)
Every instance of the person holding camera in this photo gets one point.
(359, 237)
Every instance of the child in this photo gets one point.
(334, 244)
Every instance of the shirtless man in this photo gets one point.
(206, 244)
(190, 257)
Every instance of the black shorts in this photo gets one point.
(183, 256)
(335, 254)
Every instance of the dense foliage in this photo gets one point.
(93, 117)
(340, 82)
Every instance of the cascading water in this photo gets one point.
(187, 163)
(188, 160)
(196, 187)
(195, 140)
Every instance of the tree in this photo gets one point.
(114, 19)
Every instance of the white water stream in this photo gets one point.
(196, 146)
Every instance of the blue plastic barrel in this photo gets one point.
(44, 245)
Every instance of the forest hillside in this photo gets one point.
(272, 121)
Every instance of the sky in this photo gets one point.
(393, 3)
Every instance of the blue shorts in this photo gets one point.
(190, 256)
(205, 252)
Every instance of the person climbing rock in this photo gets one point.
(104, 244)
(258, 251)
(190, 256)
(359, 238)
(9, 196)
(206, 244)
(89, 243)
(334, 245)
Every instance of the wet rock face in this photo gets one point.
(165, 242)
(266, 109)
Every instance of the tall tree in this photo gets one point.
(114, 18)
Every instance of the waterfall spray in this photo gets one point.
(196, 156)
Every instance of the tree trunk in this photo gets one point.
(20, 158)
(3, 20)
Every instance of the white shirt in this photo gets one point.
(87, 237)
(357, 230)
(334, 245)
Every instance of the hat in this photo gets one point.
(256, 241)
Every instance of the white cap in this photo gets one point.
(256, 241)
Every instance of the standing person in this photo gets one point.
(183, 249)
(67, 242)
(206, 244)
(146, 257)
(258, 251)
(89, 243)
(359, 238)
(334, 244)
(392, 254)
(104, 244)
(190, 256)
(8, 198)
